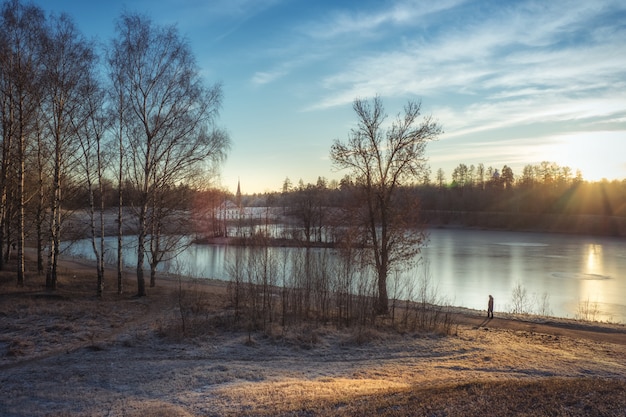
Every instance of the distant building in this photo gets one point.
(232, 217)
(228, 210)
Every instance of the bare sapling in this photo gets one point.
(588, 310)
(520, 300)
(432, 311)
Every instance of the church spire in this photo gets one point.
(238, 195)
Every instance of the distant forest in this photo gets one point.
(544, 197)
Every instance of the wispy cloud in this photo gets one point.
(491, 115)
(227, 15)
(524, 64)
(261, 78)
(340, 33)
(364, 22)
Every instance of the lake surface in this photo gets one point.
(576, 272)
(570, 276)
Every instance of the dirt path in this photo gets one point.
(605, 333)
(71, 354)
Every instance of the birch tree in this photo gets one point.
(69, 62)
(170, 131)
(21, 34)
(91, 130)
(116, 65)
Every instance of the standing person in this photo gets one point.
(490, 308)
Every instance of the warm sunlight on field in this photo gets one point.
(294, 393)
(402, 365)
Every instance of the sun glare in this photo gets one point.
(598, 155)
(594, 259)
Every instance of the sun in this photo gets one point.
(598, 155)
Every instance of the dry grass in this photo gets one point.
(71, 354)
(549, 397)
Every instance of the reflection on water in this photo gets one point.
(571, 270)
(594, 259)
(467, 266)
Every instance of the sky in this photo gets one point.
(510, 82)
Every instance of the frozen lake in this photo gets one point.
(470, 265)
(575, 272)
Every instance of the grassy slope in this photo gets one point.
(511, 370)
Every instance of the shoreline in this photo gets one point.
(72, 354)
(473, 316)
(130, 271)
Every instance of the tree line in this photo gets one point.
(544, 197)
(134, 118)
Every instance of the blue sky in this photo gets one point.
(511, 82)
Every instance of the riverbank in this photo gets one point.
(71, 354)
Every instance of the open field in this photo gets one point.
(71, 354)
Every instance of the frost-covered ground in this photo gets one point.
(73, 355)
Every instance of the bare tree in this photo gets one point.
(117, 97)
(90, 130)
(167, 222)
(21, 30)
(304, 202)
(42, 163)
(69, 62)
(382, 161)
(169, 125)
